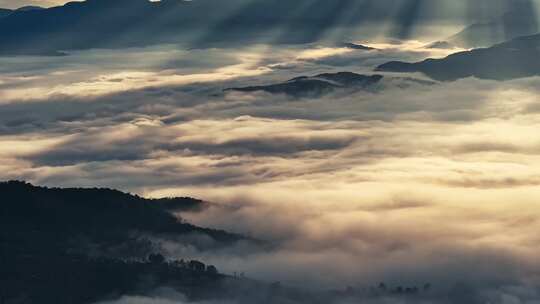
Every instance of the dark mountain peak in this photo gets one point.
(355, 46)
(305, 86)
(350, 78)
(340, 78)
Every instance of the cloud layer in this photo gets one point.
(407, 185)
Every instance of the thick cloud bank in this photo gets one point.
(406, 185)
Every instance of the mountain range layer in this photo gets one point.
(200, 23)
(509, 60)
(318, 85)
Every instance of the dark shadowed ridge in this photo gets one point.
(100, 215)
(316, 86)
(355, 46)
(305, 86)
(517, 58)
(200, 23)
(82, 245)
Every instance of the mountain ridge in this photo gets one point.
(513, 59)
(325, 83)
(66, 214)
(203, 23)
(305, 86)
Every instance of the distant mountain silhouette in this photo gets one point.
(513, 59)
(520, 20)
(355, 46)
(321, 84)
(200, 23)
(318, 85)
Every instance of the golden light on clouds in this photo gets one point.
(381, 179)
(133, 80)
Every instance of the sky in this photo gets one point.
(407, 182)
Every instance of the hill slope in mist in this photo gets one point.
(79, 219)
(83, 245)
(65, 246)
(509, 60)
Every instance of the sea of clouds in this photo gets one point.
(406, 185)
